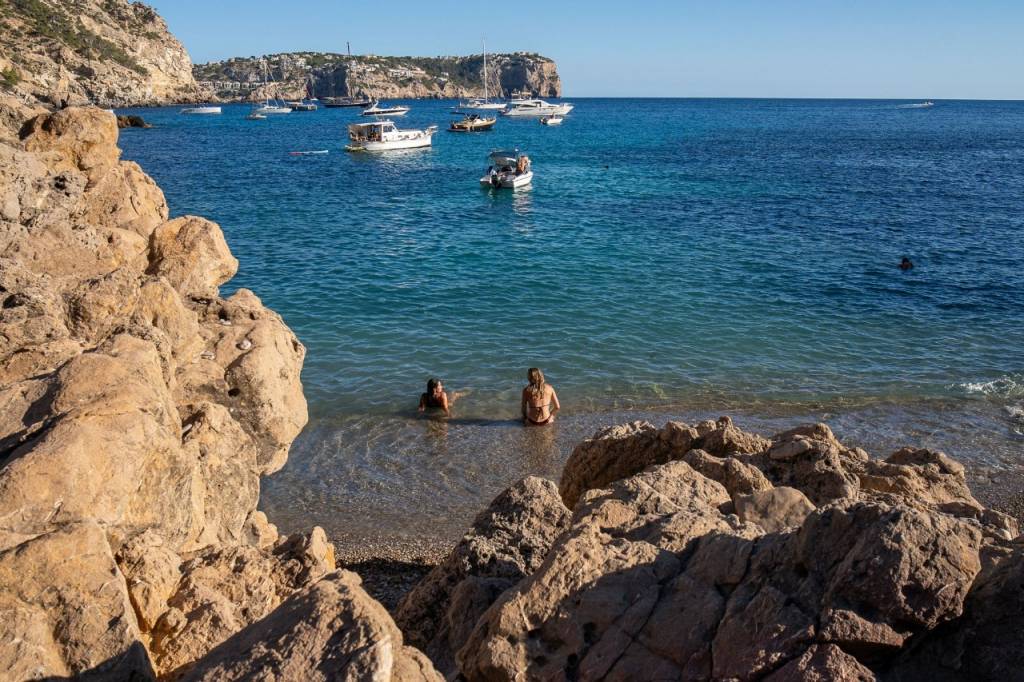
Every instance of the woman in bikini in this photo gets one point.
(435, 398)
(540, 402)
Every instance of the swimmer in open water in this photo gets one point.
(540, 402)
(905, 264)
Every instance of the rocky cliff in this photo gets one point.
(138, 410)
(108, 52)
(294, 75)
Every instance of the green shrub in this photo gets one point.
(9, 77)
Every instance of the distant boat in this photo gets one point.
(336, 102)
(918, 105)
(206, 110)
(377, 110)
(509, 170)
(380, 136)
(314, 152)
(536, 108)
(256, 116)
(484, 104)
(307, 104)
(551, 120)
(270, 107)
(472, 123)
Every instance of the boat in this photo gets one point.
(536, 108)
(315, 152)
(301, 106)
(472, 123)
(205, 110)
(380, 136)
(270, 107)
(509, 169)
(484, 104)
(336, 102)
(551, 120)
(255, 116)
(376, 110)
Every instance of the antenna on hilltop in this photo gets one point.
(348, 46)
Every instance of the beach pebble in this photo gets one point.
(244, 344)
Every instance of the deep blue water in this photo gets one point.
(672, 256)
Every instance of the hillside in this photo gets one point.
(332, 74)
(108, 52)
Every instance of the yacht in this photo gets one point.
(376, 109)
(201, 110)
(380, 136)
(484, 104)
(509, 169)
(338, 102)
(536, 108)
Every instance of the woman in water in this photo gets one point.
(436, 398)
(540, 402)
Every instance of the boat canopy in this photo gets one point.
(385, 125)
(505, 157)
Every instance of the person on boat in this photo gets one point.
(905, 264)
(540, 402)
(436, 398)
(522, 165)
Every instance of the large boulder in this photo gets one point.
(508, 542)
(331, 630)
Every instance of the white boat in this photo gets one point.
(551, 120)
(484, 104)
(254, 116)
(380, 136)
(376, 109)
(269, 107)
(509, 169)
(536, 108)
(918, 105)
(298, 105)
(200, 110)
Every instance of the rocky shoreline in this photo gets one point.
(140, 410)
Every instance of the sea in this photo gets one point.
(673, 259)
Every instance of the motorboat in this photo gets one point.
(204, 110)
(337, 102)
(301, 106)
(255, 116)
(473, 123)
(551, 120)
(536, 108)
(377, 110)
(509, 169)
(380, 136)
(309, 102)
(481, 104)
(918, 105)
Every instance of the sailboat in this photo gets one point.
(308, 104)
(269, 107)
(484, 104)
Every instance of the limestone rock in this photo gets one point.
(66, 610)
(774, 509)
(331, 630)
(77, 139)
(508, 541)
(192, 255)
(823, 663)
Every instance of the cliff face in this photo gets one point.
(138, 410)
(325, 75)
(108, 52)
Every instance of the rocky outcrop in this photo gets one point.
(706, 553)
(138, 410)
(295, 75)
(508, 541)
(108, 52)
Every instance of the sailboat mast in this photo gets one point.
(483, 46)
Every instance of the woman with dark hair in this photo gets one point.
(435, 397)
(540, 402)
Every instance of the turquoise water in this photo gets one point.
(672, 257)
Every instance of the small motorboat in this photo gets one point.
(302, 106)
(472, 123)
(508, 170)
(315, 152)
(382, 136)
(377, 110)
(203, 110)
(552, 120)
(255, 116)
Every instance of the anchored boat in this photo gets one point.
(551, 120)
(338, 102)
(508, 169)
(536, 108)
(377, 110)
(380, 136)
(205, 110)
(472, 123)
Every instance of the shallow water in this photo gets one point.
(674, 258)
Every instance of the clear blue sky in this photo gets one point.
(712, 48)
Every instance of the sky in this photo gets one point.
(912, 49)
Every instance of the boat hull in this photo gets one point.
(424, 140)
(201, 111)
(472, 127)
(272, 111)
(508, 181)
(537, 112)
(386, 112)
